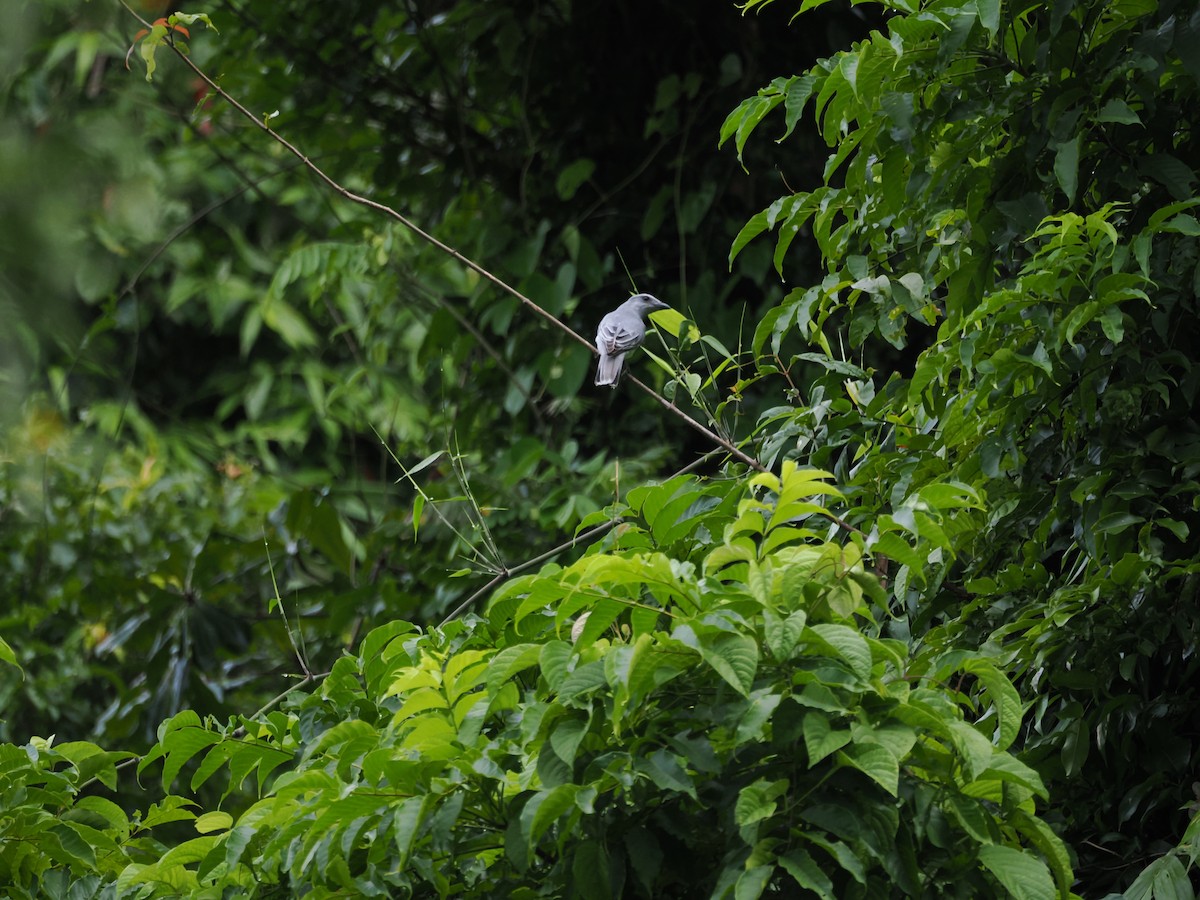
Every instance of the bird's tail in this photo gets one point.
(608, 370)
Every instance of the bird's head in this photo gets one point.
(646, 304)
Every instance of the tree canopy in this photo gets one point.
(330, 573)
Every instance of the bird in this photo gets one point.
(620, 331)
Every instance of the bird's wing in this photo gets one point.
(618, 336)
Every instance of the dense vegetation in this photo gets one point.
(327, 571)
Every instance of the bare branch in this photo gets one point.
(392, 213)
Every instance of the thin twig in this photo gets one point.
(588, 535)
(492, 565)
(238, 732)
(666, 404)
(501, 577)
(481, 339)
(308, 678)
(497, 579)
(300, 657)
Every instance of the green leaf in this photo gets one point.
(566, 737)
(1066, 167)
(752, 229)
(546, 808)
(877, 762)
(804, 869)
(508, 662)
(315, 518)
(406, 821)
(188, 852)
(734, 657)
(1112, 322)
(989, 16)
(848, 644)
(585, 679)
(950, 495)
(972, 818)
(600, 617)
(892, 546)
(783, 633)
(92, 762)
(169, 809)
(649, 667)
(1003, 766)
(819, 738)
(672, 321)
(1023, 875)
(846, 858)
(7, 655)
(1116, 522)
(378, 649)
(799, 90)
(756, 801)
(743, 120)
(213, 821)
(975, 749)
(664, 770)
(1161, 215)
(590, 871)
(574, 175)
(1004, 699)
(848, 67)
(646, 856)
(1164, 879)
(115, 819)
(283, 318)
(417, 511)
(817, 696)
(789, 228)
(1117, 110)
(1182, 224)
(148, 47)
(553, 661)
(1174, 174)
(183, 738)
(752, 882)
(1051, 846)
(72, 846)
(751, 723)
(181, 18)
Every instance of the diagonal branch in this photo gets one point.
(583, 538)
(390, 212)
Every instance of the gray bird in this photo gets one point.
(620, 331)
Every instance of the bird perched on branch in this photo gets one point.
(620, 331)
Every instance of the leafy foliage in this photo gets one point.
(633, 722)
(127, 623)
(53, 837)
(943, 645)
(1008, 190)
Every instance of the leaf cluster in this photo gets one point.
(637, 722)
(1008, 201)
